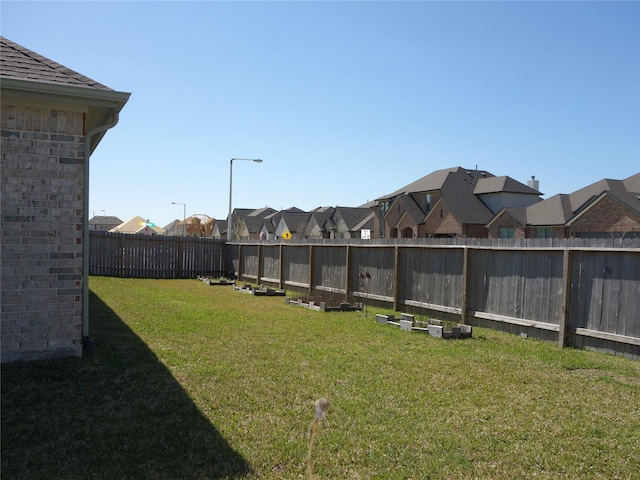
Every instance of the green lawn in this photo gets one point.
(189, 381)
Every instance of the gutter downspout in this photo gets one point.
(87, 346)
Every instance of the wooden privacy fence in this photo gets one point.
(586, 297)
(152, 256)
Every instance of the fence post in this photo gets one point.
(348, 270)
(239, 275)
(259, 266)
(396, 278)
(281, 274)
(464, 304)
(311, 272)
(566, 297)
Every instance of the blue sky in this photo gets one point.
(344, 101)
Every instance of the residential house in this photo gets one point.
(350, 222)
(174, 229)
(291, 224)
(453, 202)
(270, 223)
(52, 119)
(103, 223)
(316, 224)
(248, 223)
(199, 225)
(219, 230)
(138, 226)
(603, 209)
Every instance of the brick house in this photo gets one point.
(103, 223)
(601, 210)
(349, 222)
(449, 203)
(52, 119)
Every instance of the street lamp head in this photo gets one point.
(257, 160)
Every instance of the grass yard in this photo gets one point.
(189, 381)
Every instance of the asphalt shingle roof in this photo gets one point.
(351, 216)
(411, 207)
(561, 208)
(18, 62)
(502, 184)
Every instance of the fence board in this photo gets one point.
(116, 254)
(330, 267)
(296, 262)
(431, 276)
(250, 261)
(270, 266)
(379, 263)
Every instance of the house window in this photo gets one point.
(544, 232)
(384, 208)
(507, 233)
(427, 202)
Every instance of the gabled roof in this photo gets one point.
(466, 211)
(561, 208)
(351, 216)
(19, 62)
(554, 210)
(221, 226)
(174, 228)
(365, 223)
(134, 225)
(410, 206)
(503, 184)
(253, 224)
(519, 214)
(242, 212)
(294, 210)
(321, 214)
(29, 77)
(105, 220)
(629, 200)
(436, 181)
(267, 226)
(457, 195)
(262, 212)
(295, 221)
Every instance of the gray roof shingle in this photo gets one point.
(21, 63)
(502, 184)
(561, 208)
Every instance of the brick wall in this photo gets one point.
(607, 215)
(41, 213)
(441, 222)
(506, 221)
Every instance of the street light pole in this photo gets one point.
(184, 217)
(229, 221)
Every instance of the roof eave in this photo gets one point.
(99, 105)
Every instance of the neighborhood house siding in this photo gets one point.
(440, 222)
(607, 215)
(506, 221)
(42, 216)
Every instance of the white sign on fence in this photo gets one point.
(365, 234)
